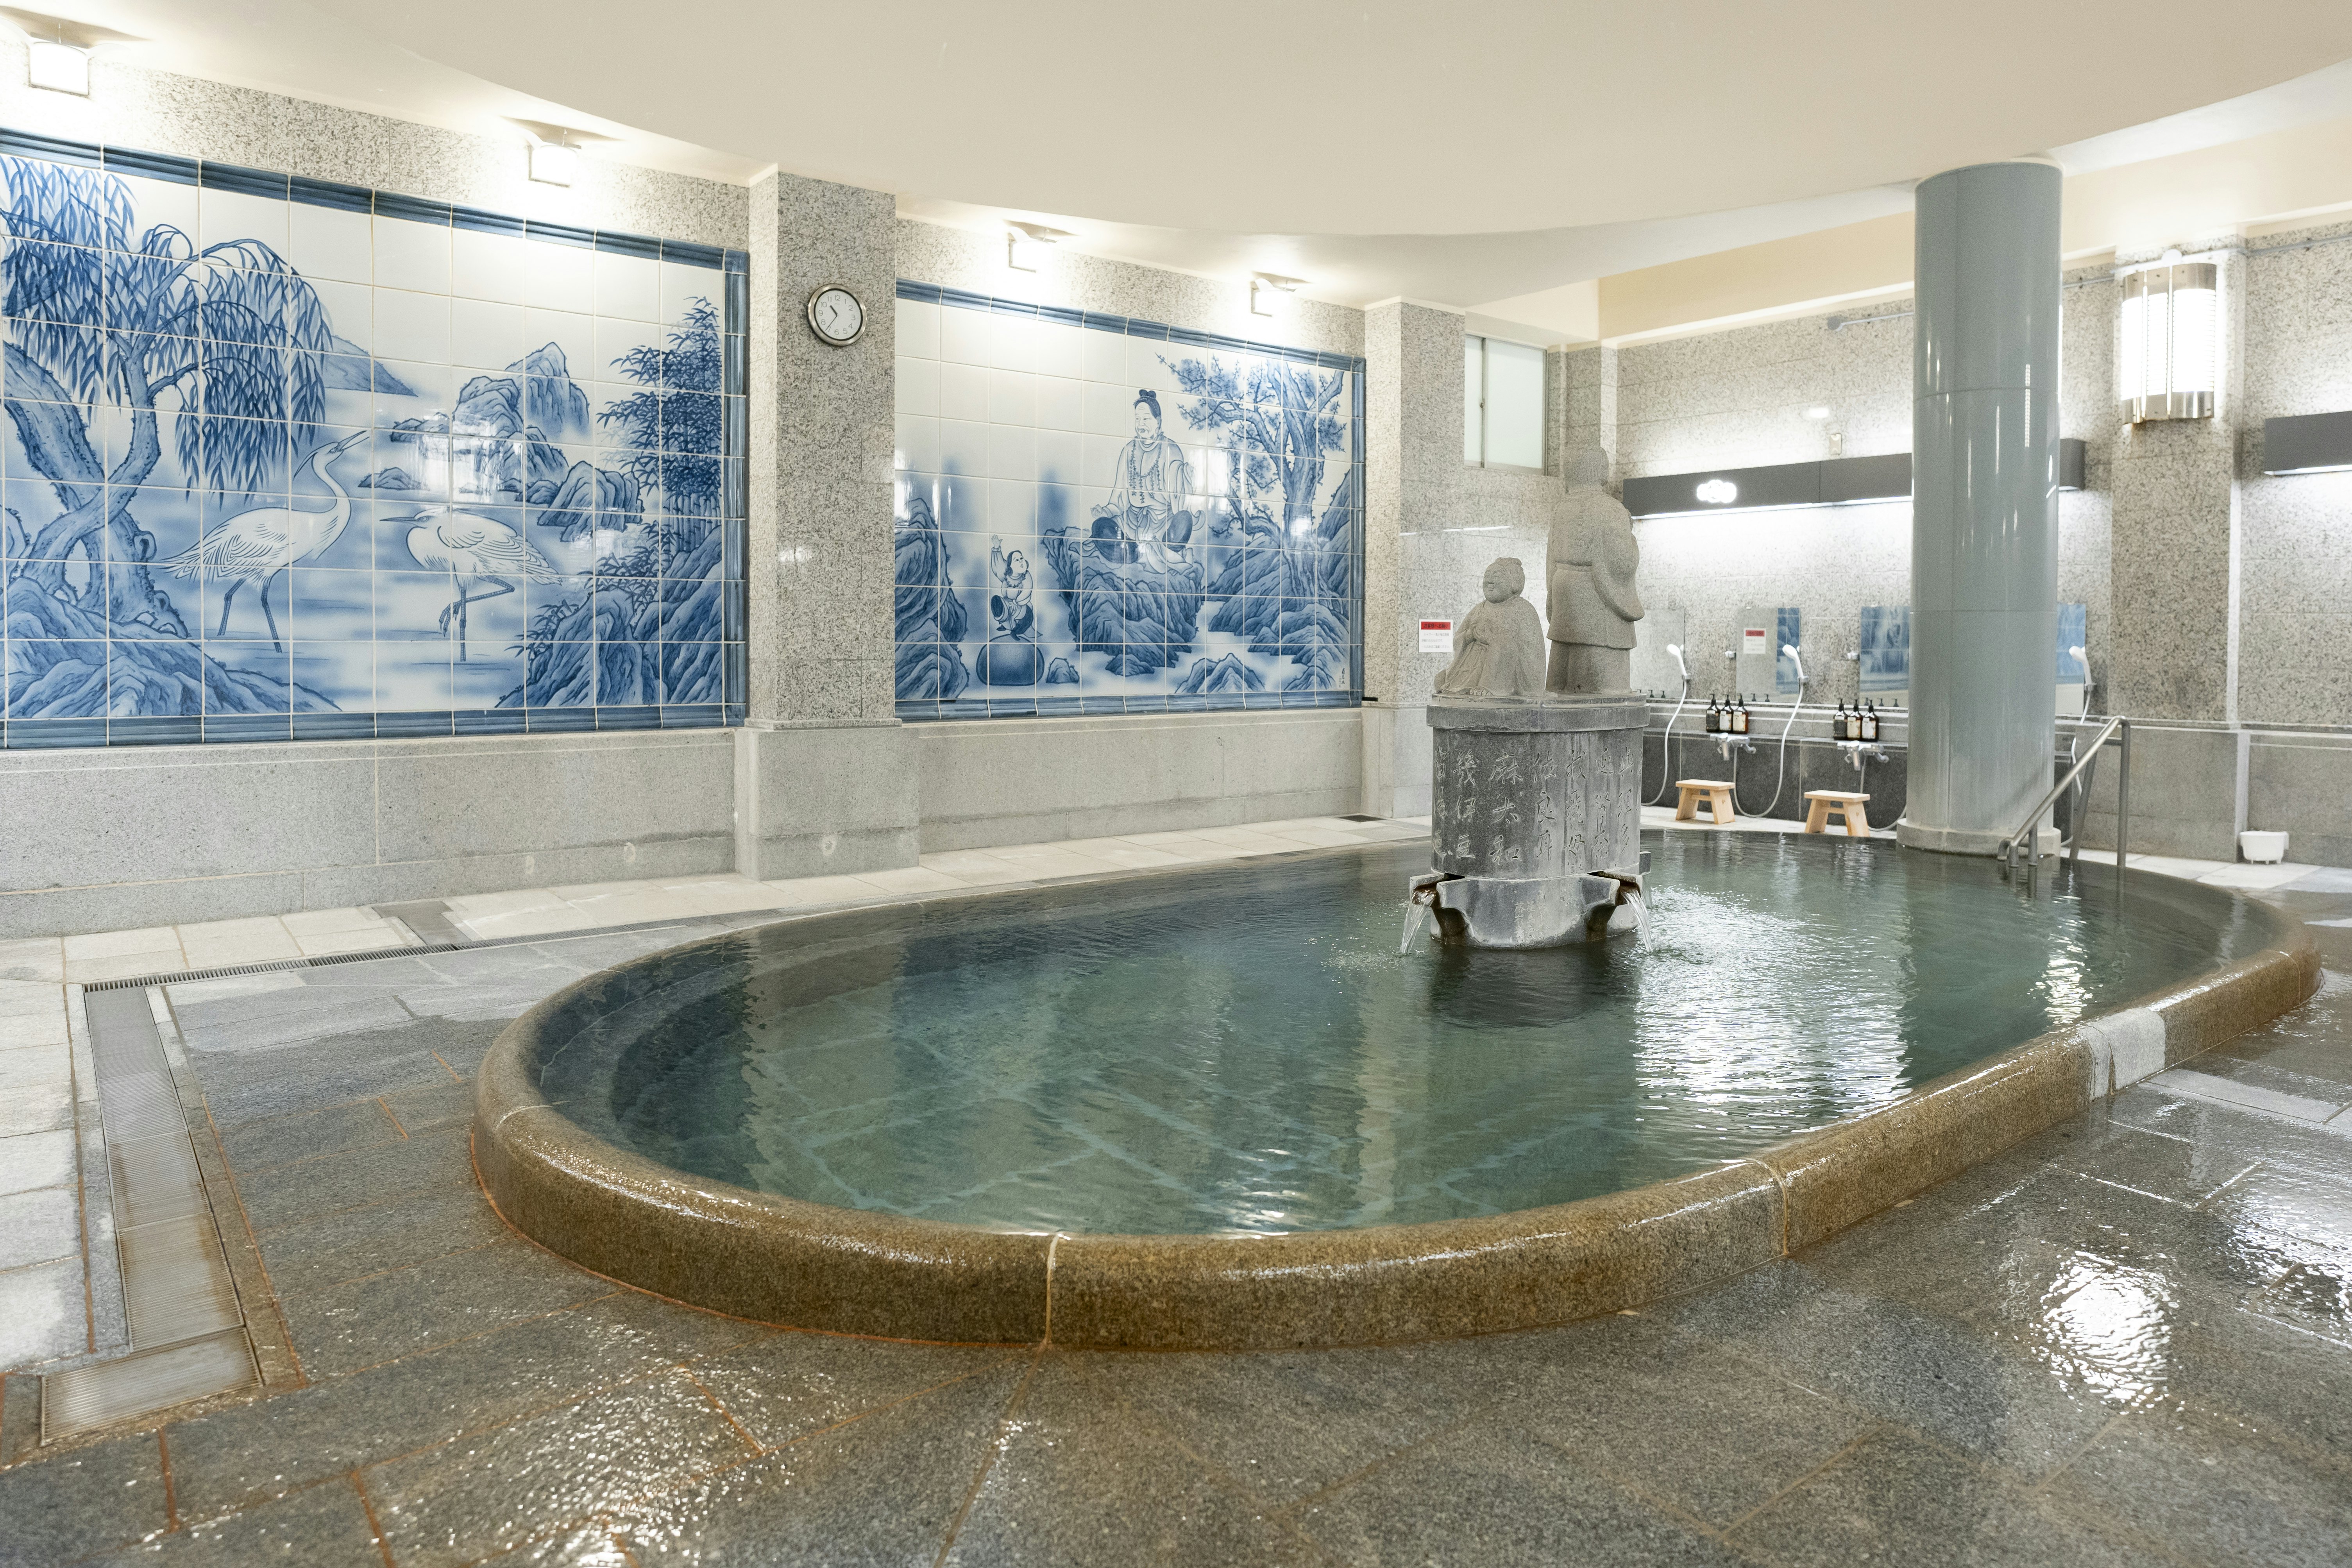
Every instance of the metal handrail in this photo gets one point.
(2118, 728)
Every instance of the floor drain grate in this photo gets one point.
(181, 977)
(106, 1392)
(186, 1328)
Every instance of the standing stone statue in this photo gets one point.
(1498, 649)
(1589, 570)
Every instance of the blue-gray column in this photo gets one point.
(1984, 504)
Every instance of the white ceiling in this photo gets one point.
(1373, 148)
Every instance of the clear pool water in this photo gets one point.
(1243, 1049)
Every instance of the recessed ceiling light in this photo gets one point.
(1818, 411)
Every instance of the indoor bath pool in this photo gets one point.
(1244, 1050)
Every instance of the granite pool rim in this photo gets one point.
(818, 1266)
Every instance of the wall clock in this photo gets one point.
(835, 315)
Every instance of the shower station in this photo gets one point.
(1537, 806)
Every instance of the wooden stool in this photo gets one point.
(1714, 795)
(1848, 806)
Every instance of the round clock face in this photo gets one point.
(835, 315)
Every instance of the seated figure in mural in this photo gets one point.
(1145, 519)
(1011, 656)
(1498, 649)
(1588, 567)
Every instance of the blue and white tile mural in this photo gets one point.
(1096, 514)
(2074, 633)
(1885, 655)
(287, 459)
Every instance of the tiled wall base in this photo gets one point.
(168, 835)
(154, 835)
(1018, 781)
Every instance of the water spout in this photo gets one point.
(1416, 915)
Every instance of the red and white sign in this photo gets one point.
(1437, 636)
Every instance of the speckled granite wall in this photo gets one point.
(2170, 653)
(819, 550)
(1435, 522)
(2296, 531)
(156, 111)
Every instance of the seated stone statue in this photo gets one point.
(1589, 571)
(1498, 649)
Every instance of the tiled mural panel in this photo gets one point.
(1096, 514)
(287, 459)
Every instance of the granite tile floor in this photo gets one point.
(2129, 1338)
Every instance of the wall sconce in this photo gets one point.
(1026, 244)
(60, 68)
(1266, 289)
(57, 52)
(555, 150)
(2169, 348)
(554, 162)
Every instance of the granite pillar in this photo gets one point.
(1984, 521)
(826, 777)
(1412, 455)
(2174, 556)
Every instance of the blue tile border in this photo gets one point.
(1131, 327)
(321, 194)
(415, 209)
(150, 165)
(243, 182)
(137, 163)
(481, 222)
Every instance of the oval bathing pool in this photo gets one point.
(1243, 1049)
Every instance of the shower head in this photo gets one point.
(2080, 656)
(1675, 649)
(1790, 649)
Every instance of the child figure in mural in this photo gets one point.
(1145, 519)
(1499, 649)
(1012, 656)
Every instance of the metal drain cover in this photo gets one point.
(106, 1392)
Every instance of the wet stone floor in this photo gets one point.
(2127, 1341)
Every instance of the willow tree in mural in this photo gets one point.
(646, 628)
(111, 327)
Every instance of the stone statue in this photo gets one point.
(1589, 571)
(1498, 649)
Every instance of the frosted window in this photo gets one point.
(1502, 403)
(1515, 400)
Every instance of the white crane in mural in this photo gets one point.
(472, 549)
(255, 546)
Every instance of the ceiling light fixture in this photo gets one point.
(1027, 246)
(1266, 289)
(1718, 492)
(2168, 350)
(1818, 411)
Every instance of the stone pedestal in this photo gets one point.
(1536, 820)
